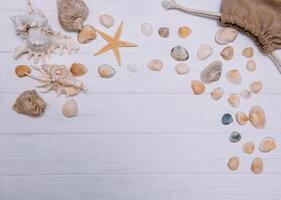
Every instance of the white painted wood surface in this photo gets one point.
(140, 136)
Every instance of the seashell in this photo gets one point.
(146, 29)
(235, 137)
(268, 144)
(217, 93)
(248, 147)
(30, 103)
(87, 34)
(106, 20)
(234, 77)
(179, 53)
(233, 163)
(197, 87)
(242, 118)
(70, 108)
(57, 78)
(212, 72)
(164, 32)
(251, 66)
(106, 71)
(256, 87)
(227, 119)
(39, 40)
(78, 69)
(257, 117)
(22, 70)
(204, 51)
(182, 69)
(248, 52)
(226, 35)
(131, 67)
(245, 94)
(72, 14)
(234, 100)
(257, 166)
(155, 65)
(227, 53)
(184, 31)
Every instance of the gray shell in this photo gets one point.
(72, 14)
(212, 72)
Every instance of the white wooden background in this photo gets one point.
(141, 136)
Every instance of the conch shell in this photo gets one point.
(72, 14)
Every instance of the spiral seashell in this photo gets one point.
(72, 14)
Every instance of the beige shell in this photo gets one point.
(155, 65)
(184, 31)
(257, 117)
(268, 144)
(217, 93)
(257, 166)
(87, 34)
(72, 14)
(234, 100)
(248, 147)
(106, 20)
(251, 66)
(245, 94)
(30, 103)
(197, 87)
(106, 71)
(227, 53)
(256, 86)
(182, 68)
(226, 35)
(234, 76)
(204, 51)
(78, 69)
(22, 70)
(242, 118)
(233, 163)
(70, 108)
(248, 52)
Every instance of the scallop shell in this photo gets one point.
(268, 144)
(226, 35)
(257, 117)
(212, 72)
(70, 108)
(106, 20)
(242, 118)
(197, 87)
(87, 34)
(234, 100)
(257, 166)
(256, 86)
(227, 53)
(179, 53)
(204, 51)
(106, 71)
(72, 14)
(234, 76)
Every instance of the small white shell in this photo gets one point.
(106, 71)
(251, 66)
(146, 29)
(245, 94)
(155, 65)
(70, 108)
(204, 51)
(106, 20)
(182, 69)
(226, 35)
(131, 67)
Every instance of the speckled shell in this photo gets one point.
(72, 14)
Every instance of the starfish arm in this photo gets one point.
(126, 44)
(118, 32)
(117, 55)
(104, 49)
(105, 36)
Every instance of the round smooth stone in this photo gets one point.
(131, 67)
(235, 137)
(227, 119)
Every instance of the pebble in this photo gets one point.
(227, 119)
(235, 137)
(217, 93)
(164, 32)
(234, 76)
(70, 108)
(257, 117)
(184, 31)
(197, 87)
(248, 52)
(22, 70)
(227, 53)
(242, 118)
(106, 20)
(226, 35)
(131, 67)
(146, 29)
(248, 147)
(182, 68)
(212, 72)
(268, 144)
(251, 65)
(234, 100)
(78, 69)
(233, 163)
(257, 166)
(155, 65)
(256, 86)
(204, 51)
(245, 94)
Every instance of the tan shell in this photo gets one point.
(234, 100)
(227, 53)
(226, 35)
(182, 68)
(257, 166)
(248, 52)
(197, 87)
(87, 34)
(256, 87)
(155, 65)
(72, 14)
(22, 70)
(106, 71)
(257, 117)
(233, 163)
(242, 118)
(106, 20)
(245, 94)
(234, 76)
(70, 108)
(30, 103)
(164, 32)
(217, 93)
(251, 66)
(184, 31)
(268, 144)
(248, 147)
(78, 69)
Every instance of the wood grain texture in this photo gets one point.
(141, 136)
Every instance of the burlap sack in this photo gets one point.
(260, 19)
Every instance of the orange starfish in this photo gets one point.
(114, 43)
